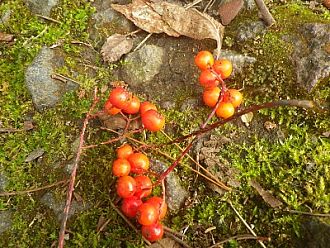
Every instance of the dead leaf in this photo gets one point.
(229, 10)
(28, 125)
(100, 223)
(247, 118)
(172, 19)
(116, 46)
(326, 134)
(77, 197)
(266, 196)
(6, 37)
(165, 243)
(35, 154)
(270, 125)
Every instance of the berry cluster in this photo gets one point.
(213, 72)
(135, 189)
(121, 100)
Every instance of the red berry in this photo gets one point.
(160, 205)
(208, 79)
(121, 167)
(147, 214)
(139, 162)
(124, 151)
(126, 186)
(204, 60)
(211, 96)
(153, 232)
(133, 106)
(143, 186)
(130, 205)
(145, 106)
(119, 97)
(225, 110)
(152, 120)
(223, 67)
(234, 97)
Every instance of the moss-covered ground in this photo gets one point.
(294, 166)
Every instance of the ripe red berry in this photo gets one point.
(139, 162)
(234, 97)
(153, 232)
(147, 214)
(143, 186)
(211, 96)
(124, 151)
(225, 110)
(121, 167)
(133, 106)
(130, 205)
(204, 60)
(208, 79)
(152, 120)
(110, 109)
(126, 186)
(223, 67)
(160, 205)
(145, 106)
(119, 97)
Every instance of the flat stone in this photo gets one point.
(3, 182)
(5, 221)
(143, 65)
(45, 91)
(57, 206)
(106, 21)
(41, 7)
(175, 193)
(312, 55)
(250, 30)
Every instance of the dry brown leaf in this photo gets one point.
(35, 154)
(116, 46)
(6, 37)
(229, 10)
(28, 125)
(172, 19)
(165, 243)
(266, 196)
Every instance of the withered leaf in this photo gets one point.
(165, 243)
(229, 10)
(116, 46)
(172, 19)
(6, 37)
(35, 154)
(28, 125)
(266, 196)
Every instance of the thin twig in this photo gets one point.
(190, 5)
(266, 15)
(175, 238)
(63, 78)
(49, 19)
(142, 42)
(167, 229)
(128, 222)
(307, 213)
(74, 172)
(245, 223)
(34, 190)
(254, 108)
(240, 237)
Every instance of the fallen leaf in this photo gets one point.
(102, 220)
(172, 19)
(35, 154)
(165, 243)
(6, 37)
(229, 10)
(116, 46)
(269, 125)
(28, 125)
(266, 196)
(326, 134)
(247, 118)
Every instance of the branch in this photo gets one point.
(33, 190)
(266, 15)
(74, 172)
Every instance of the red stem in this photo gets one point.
(74, 172)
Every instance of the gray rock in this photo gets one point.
(6, 16)
(106, 21)
(314, 234)
(41, 7)
(238, 60)
(45, 91)
(5, 221)
(312, 55)
(250, 30)
(175, 193)
(57, 206)
(143, 65)
(3, 182)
